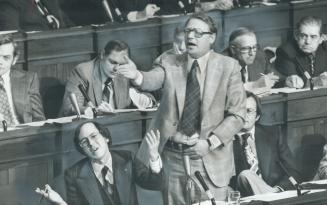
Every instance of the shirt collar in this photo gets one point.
(203, 60)
(251, 132)
(97, 166)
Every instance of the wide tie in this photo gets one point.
(106, 183)
(191, 117)
(250, 156)
(4, 104)
(107, 90)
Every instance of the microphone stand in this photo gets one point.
(4, 125)
(189, 182)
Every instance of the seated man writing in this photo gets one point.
(257, 72)
(106, 87)
(106, 176)
(259, 153)
(303, 60)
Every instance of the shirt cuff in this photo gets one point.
(156, 165)
(139, 79)
(214, 142)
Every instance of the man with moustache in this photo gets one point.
(303, 60)
(201, 109)
(106, 88)
(20, 100)
(256, 69)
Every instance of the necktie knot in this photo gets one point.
(195, 65)
(243, 73)
(108, 81)
(245, 137)
(104, 171)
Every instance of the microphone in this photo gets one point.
(291, 178)
(305, 73)
(117, 12)
(52, 20)
(73, 100)
(4, 125)
(182, 6)
(88, 100)
(205, 187)
(107, 10)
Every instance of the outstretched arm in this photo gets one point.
(51, 195)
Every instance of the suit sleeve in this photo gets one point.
(284, 63)
(73, 198)
(322, 169)
(35, 100)
(235, 108)
(145, 178)
(153, 79)
(9, 16)
(72, 87)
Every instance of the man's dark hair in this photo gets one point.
(309, 20)
(8, 38)
(205, 18)
(115, 45)
(241, 31)
(257, 100)
(103, 130)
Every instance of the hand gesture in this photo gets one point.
(105, 107)
(51, 195)
(153, 140)
(128, 70)
(270, 79)
(199, 150)
(150, 10)
(184, 139)
(294, 81)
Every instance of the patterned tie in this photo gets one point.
(106, 91)
(4, 104)
(312, 64)
(106, 183)
(250, 156)
(190, 121)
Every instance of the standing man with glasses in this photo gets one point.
(256, 70)
(303, 60)
(201, 109)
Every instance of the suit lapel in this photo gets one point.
(96, 83)
(123, 177)
(213, 74)
(180, 77)
(87, 183)
(19, 93)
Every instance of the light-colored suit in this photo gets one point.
(223, 107)
(26, 96)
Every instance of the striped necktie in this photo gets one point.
(190, 121)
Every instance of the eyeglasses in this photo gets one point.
(197, 33)
(85, 142)
(251, 112)
(247, 49)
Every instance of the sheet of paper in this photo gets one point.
(287, 90)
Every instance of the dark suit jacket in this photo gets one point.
(271, 147)
(88, 74)
(26, 96)
(290, 59)
(24, 15)
(82, 187)
(260, 65)
(222, 110)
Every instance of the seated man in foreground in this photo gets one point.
(105, 176)
(20, 100)
(303, 60)
(260, 152)
(107, 89)
(257, 72)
